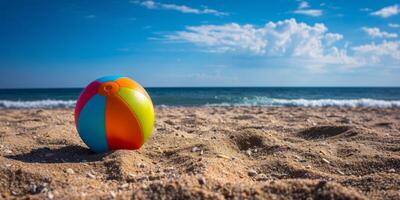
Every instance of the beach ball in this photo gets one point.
(114, 112)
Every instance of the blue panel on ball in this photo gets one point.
(109, 78)
(91, 124)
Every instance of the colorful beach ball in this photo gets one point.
(114, 112)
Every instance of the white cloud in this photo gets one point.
(229, 37)
(386, 53)
(392, 25)
(303, 4)
(294, 43)
(301, 9)
(377, 33)
(180, 8)
(283, 38)
(387, 11)
(309, 12)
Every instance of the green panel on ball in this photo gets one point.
(142, 107)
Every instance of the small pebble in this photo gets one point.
(201, 152)
(50, 195)
(248, 152)
(223, 156)
(326, 161)
(340, 172)
(70, 171)
(392, 171)
(90, 175)
(33, 189)
(202, 180)
(195, 149)
(252, 172)
(308, 167)
(113, 195)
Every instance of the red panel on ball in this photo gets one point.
(84, 97)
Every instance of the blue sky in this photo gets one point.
(200, 43)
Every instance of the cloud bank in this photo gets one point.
(289, 40)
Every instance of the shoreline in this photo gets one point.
(72, 106)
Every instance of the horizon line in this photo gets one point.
(167, 87)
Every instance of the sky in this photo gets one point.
(167, 43)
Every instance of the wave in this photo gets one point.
(245, 101)
(48, 103)
(264, 101)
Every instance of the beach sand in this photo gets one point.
(209, 153)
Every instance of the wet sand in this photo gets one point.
(209, 153)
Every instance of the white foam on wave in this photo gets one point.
(339, 103)
(264, 101)
(48, 103)
(253, 101)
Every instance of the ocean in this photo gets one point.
(220, 96)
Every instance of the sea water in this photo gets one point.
(220, 96)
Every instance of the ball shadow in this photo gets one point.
(67, 154)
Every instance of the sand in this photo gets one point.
(209, 153)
